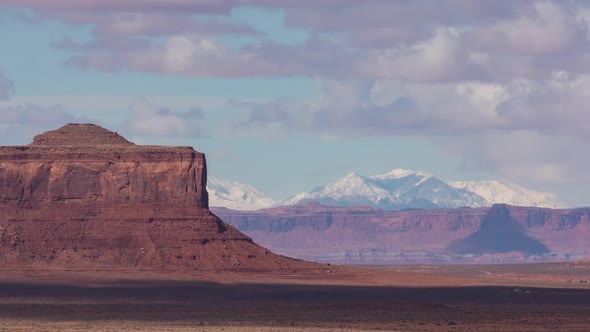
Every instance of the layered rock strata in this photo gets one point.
(82, 195)
(364, 235)
(87, 164)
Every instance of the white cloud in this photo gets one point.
(149, 119)
(527, 155)
(438, 59)
(549, 29)
(529, 130)
(18, 118)
(180, 51)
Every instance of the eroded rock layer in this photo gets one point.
(66, 169)
(364, 235)
(82, 195)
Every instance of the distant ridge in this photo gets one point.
(364, 235)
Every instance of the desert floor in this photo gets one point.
(537, 297)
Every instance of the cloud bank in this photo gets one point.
(503, 84)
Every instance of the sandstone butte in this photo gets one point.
(83, 196)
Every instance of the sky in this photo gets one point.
(287, 95)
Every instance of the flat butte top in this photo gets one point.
(86, 140)
(85, 134)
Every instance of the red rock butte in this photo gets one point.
(82, 196)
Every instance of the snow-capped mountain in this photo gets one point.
(406, 189)
(396, 190)
(236, 196)
(502, 191)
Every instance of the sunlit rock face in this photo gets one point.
(83, 195)
(87, 164)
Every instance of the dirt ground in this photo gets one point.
(543, 297)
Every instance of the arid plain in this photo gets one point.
(531, 297)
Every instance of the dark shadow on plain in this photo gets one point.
(211, 303)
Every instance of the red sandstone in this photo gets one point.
(82, 195)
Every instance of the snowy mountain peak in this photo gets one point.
(398, 189)
(235, 195)
(350, 176)
(504, 191)
(403, 189)
(399, 173)
(351, 184)
(395, 190)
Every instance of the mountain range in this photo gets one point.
(398, 189)
(236, 196)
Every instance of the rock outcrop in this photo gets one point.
(82, 195)
(88, 164)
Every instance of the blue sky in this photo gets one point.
(287, 95)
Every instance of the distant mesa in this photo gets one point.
(366, 235)
(83, 196)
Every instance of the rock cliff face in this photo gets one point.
(82, 195)
(363, 235)
(88, 164)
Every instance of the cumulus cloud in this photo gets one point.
(149, 119)
(34, 115)
(21, 121)
(160, 24)
(384, 13)
(143, 35)
(171, 6)
(443, 57)
(444, 41)
(382, 108)
(414, 41)
(524, 129)
(549, 29)
(439, 59)
(183, 55)
(501, 83)
(526, 155)
(127, 24)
